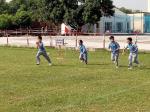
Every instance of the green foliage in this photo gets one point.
(22, 19)
(69, 11)
(3, 7)
(123, 9)
(5, 21)
(57, 11)
(129, 11)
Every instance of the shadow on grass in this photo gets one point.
(98, 64)
(63, 65)
(141, 68)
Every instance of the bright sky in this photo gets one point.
(8, 0)
(132, 4)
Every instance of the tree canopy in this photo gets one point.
(73, 12)
(78, 12)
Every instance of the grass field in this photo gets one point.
(70, 86)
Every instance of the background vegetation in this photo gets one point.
(22, 13)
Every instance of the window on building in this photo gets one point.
(108, 26)
(119, 27)
(97, 25)
(147, 24)
(128, 27)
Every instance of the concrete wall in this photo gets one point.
(72, 41)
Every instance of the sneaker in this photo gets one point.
(139, 65)
(82, 61)
(50, 64)
(117, 67)
(130, 68)
(38, 64)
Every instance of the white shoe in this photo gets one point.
(50, 64)
(117, 67)
(130, 68)
(139, 65)
(81, 61)
(38, 64)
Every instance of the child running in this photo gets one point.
(114, 48)
(133, 56)
(41, 51)
(83, 52)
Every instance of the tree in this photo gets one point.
(22, 19)
(70, 12)
(5, 21)
(3, 7)
(127, 11)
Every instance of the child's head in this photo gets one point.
(112, 38)
(129, 40)
(80, 42)
(39, 38)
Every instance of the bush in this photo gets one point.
(5, 21)
(22, 19)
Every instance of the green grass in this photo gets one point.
(70, 86)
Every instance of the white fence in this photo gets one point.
(72, 41)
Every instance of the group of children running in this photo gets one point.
(114, 48)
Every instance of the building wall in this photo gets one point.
(137, 21)
(147, 23)
(119, 23)
(149, 6)
(140, 22)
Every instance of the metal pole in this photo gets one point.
(50, 40)
(104, 41)
(27, 40)
(7, 40)
(76, 40)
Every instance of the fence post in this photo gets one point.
(7, 40)
(27, 41)
(7, 37)
(50, 40)
(136, 39)
(104, 41)
(76, 40)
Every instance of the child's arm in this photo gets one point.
(37, 45)
(84, 50)
(109, 48)
(136, 48)
(118, 47)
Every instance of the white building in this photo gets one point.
(119, 23)
(140, 22)
(149, 6)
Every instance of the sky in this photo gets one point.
(8, 0)
(132, 4)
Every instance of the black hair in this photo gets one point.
(81, 41)
(130, 39)
(111, 37)
(40, 37)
